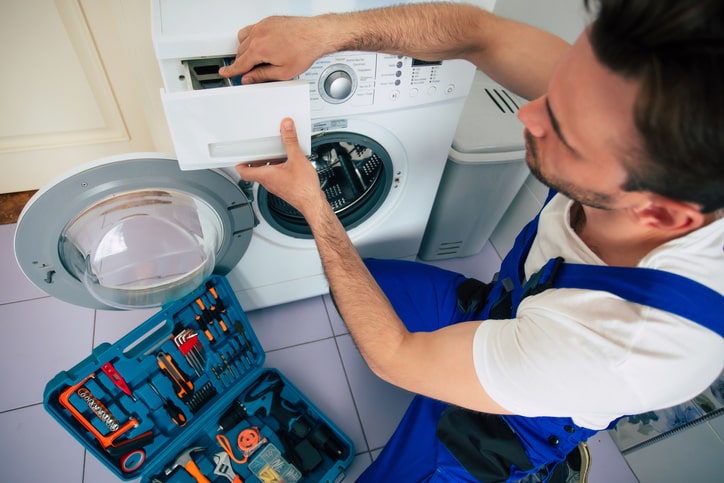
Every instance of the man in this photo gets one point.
(626, 126)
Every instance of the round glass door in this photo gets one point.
(355, 173)
(142, 248)
(132, 231)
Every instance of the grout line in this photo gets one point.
(346, 377)
(2, 304)
(6, 411)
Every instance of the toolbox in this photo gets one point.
(184, 398)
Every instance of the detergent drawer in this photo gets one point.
(216, 125)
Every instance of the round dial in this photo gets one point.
(337, 83)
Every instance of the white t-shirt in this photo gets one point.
(591, 355)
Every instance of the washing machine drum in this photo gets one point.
(355, 172)
(132, 232)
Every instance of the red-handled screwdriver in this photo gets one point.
(117, 379)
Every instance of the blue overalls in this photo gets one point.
(425, 299)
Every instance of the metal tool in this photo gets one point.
(217, 307)
(188, 344)
(174, 412)
(240, 329)
(223, 468)
(204, 319)
(201, 397)
(111, 442)
(185, 461)
(117, 379)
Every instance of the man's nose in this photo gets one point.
(534, 117)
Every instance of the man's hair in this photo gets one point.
(675, 49)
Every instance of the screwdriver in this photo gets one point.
(117, 379)
(175, 413)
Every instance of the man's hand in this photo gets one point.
(295, 181)
(279, 48)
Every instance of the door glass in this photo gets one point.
(142, 248)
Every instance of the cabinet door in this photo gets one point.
(79, 82)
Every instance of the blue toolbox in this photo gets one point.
(184, 398)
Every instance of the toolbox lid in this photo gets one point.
(132, 231)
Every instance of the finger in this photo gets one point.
(289, 138)
(253, 173)
(242, 63)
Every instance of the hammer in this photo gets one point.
(186, 461)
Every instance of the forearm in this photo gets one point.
(373, 323)
(435, 364)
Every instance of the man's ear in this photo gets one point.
(667, 214)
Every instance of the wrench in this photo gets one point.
(223, 468)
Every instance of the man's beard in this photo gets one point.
(584, 197)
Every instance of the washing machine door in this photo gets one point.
(132, 232)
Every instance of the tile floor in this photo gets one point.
(305, 340)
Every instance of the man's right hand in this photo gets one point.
(280, 48)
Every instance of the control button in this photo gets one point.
(431, 90)
(398, 73)
(399, 65)
(398, 82)
(338, 85)
(414, 92)
(450, 89)
(394, 95)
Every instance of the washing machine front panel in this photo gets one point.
(131, 232)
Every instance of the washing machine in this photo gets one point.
(143, 229)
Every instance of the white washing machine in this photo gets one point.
(138, 231)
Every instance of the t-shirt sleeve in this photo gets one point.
(592, 356)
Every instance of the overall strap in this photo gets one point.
(646, 286)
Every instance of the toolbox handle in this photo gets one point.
(147, 340)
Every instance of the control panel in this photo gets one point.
(360, 80)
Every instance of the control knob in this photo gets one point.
(337, 83)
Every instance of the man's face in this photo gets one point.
(578, 134)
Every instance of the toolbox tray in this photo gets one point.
(191, 377)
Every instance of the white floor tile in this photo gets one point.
(112, 325)
(291, 324)
(316, 370)
(380, 405)
(14, 286)
(97, 472)
(35, 448)
(607, 463)
(360, 463)
(40, 338)
(338, 325)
